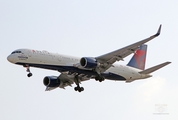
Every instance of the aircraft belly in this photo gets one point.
(126, 72)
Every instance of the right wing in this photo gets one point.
(108, 59)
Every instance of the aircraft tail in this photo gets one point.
(139, 58)
(152, 69)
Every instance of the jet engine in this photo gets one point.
(51, 81)
(88, 62)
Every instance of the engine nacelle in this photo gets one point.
(51, 81)
(88, 62)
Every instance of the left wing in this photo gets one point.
(64, 80)
(108, 59)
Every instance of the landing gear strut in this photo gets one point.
(77, 82)
(28, 70)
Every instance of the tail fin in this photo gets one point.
(139, 58)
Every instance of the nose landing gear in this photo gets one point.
(29, 74)
(28, 70)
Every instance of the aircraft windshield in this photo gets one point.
(16, 52)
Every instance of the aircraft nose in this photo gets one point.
(10, 58)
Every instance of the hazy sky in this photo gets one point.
(88, 28)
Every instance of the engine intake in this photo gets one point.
(88, 62)
(51, 81)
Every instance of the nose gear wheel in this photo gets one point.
(28, 70)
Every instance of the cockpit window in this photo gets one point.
(16, 52)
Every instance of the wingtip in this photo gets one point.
(159, 31)
(168, 62)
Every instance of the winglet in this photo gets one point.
(158, 32)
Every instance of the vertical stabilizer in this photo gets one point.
(139, 58)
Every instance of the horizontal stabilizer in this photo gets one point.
(152, 69)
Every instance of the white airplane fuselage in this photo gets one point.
(76, 70)
(63, 63)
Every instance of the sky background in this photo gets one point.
(88, 28)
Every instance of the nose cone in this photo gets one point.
(10, 58)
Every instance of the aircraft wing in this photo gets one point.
(67, 79)
(108, 59)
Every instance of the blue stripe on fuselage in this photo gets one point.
(72, 69)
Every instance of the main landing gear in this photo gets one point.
(28, 70)
(77, 82)
(99, 78)
(79, 89)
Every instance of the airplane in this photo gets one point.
(76, 70)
